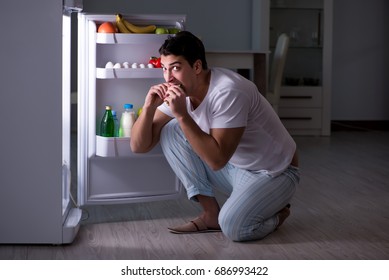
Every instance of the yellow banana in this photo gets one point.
(139, 29)
(121, 26)
(134, 28)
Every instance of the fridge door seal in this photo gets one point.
(71, 216)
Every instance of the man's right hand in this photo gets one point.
(156, 95)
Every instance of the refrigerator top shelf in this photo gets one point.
(128, 73)
(141, 19)
(121, 38)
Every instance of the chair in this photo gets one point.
(276, 71)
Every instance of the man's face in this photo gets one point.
(176, 70)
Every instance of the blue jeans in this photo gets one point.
(254, 198)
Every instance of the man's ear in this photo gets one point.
(198, 66)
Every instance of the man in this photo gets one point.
(217, 131)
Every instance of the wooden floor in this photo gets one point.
(340, 211)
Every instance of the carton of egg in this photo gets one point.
(126, 64)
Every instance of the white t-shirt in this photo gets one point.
(233, 101)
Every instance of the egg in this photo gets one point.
(142, 65)
(109, 64)
(134, 65)
(117, 65)
(149, 65)
(126, 64)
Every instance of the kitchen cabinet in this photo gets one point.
(306, 90)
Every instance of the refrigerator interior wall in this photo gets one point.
(108, 172)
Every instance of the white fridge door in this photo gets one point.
(108, 172)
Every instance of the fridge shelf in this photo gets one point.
(122, 38)
(128, 73)
(120, 147)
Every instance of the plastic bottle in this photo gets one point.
(127, 121)
(116, 124)
(107, 126)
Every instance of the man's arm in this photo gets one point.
(215, 148)
(147, 129)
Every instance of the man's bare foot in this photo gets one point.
(210, 220)
(211, 209)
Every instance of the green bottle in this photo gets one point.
(107, 125)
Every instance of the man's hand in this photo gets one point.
(156, 95)
(146, 130)
(176, 98)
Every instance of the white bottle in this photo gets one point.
(127, 121)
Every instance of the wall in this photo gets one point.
(360, 60)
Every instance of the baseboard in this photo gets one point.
(360, 125)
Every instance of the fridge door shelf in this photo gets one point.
(128, 73)
(133, 39)
(120, 147)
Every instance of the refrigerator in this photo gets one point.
(36, 202)
(108, 171)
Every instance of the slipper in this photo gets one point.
(195, 226)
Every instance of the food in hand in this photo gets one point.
(106, 27)
(131, 28)
(155, 61)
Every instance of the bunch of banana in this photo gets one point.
(125, 26)
(120, 25)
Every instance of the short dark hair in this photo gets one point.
(187, 45)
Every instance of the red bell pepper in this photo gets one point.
(155, 61)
